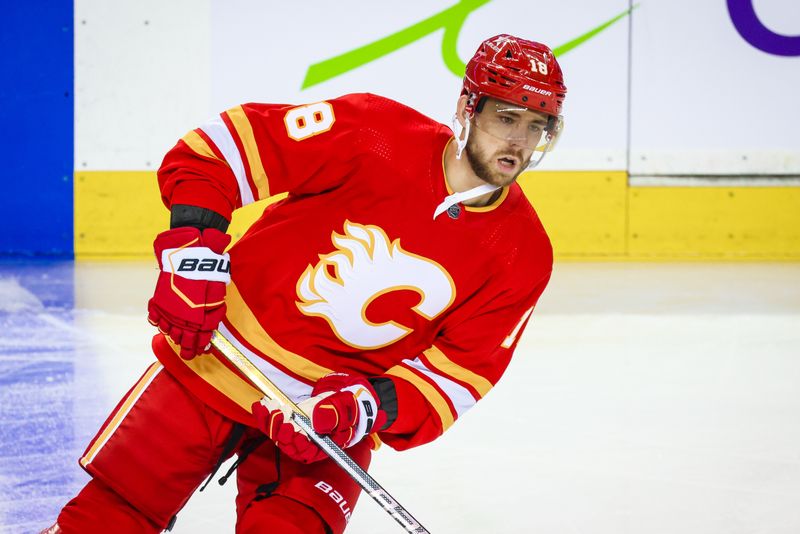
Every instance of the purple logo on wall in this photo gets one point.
(754, 32)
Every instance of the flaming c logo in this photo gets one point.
(365, 265)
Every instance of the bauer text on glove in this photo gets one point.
(189, 300)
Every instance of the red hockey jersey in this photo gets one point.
(351, 272)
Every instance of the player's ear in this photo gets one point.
(461, 110)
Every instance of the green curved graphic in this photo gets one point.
(574, 43)
(451, 20)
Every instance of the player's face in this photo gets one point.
(502, 141)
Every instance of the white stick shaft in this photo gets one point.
(362, 478)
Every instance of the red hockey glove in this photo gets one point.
(344, 407)
(189, 301)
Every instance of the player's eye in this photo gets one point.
(535, 128)
(505, 119)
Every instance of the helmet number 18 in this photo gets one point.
(538, 65)
(307, 121)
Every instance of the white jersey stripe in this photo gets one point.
(460, 396)
(513, 335)
(218, 132)
(293, 388)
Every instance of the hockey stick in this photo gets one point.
(367, 483)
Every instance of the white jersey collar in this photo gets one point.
(463, 196)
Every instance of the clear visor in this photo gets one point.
(531, 130)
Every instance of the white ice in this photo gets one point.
(643, 398)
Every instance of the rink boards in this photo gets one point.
(662, 158)
(590, 215)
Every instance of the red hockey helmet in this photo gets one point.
(515, 70)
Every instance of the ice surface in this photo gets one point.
(643, 398)
(16, 299)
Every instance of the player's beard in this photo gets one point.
(483, 166)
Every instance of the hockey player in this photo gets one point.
(385, 294)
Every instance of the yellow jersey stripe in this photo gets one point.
(491, 206)
(243, 320)
(199, 145)
(121, 413)
(448, 367)
(245, 131)
(431, 394)
(223, 379)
